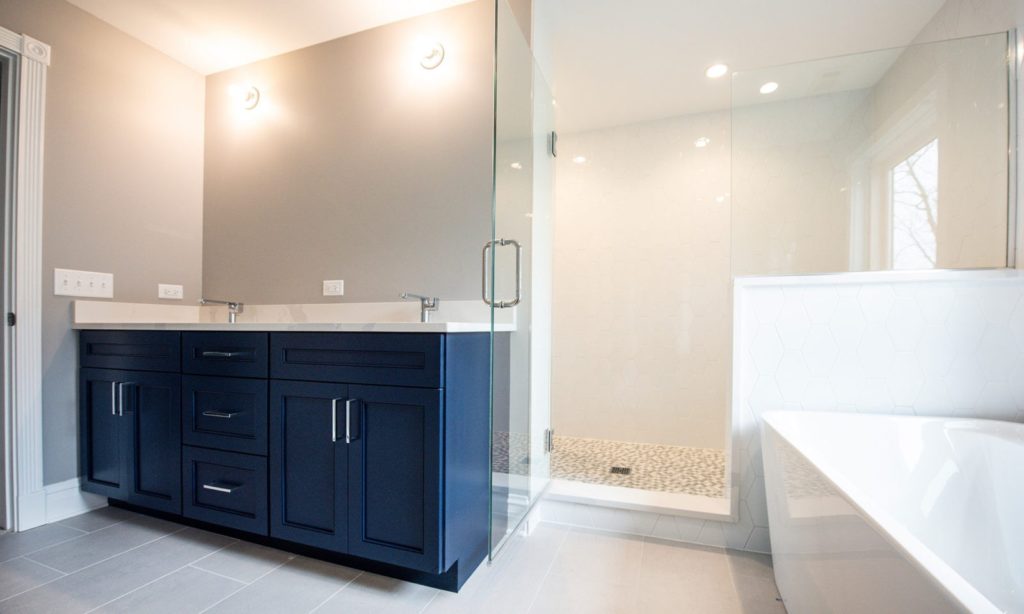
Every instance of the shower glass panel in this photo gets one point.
(517, 281)
(893, 159)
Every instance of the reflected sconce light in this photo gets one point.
(250, 98)
(432, 56)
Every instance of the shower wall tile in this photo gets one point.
(963, 360)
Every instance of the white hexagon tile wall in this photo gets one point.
(933, 343)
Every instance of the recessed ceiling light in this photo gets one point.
(432, 56)
(517, 166)
(769, 87)
(702, 142)
(716, 70)
(580, 159)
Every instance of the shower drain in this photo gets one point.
(621, 470)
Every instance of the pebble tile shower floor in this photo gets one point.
(111, 560)
(675, 469)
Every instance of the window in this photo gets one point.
(914, 202)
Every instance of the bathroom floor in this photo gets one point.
(675, 469)
(111, 560)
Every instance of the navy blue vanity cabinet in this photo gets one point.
(131, 436)
(309, 464)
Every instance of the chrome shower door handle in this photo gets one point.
(519, 273)
(484, 276)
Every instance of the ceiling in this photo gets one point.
(213, 35)
(612, 62)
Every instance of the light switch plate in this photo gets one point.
(171, 292)
(68, 282)
(334, 287)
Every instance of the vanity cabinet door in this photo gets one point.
(308, 464)
(395, 476)
(103, 445)
(152, 419)
(131, 436)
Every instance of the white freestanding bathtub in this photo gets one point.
(894, 513)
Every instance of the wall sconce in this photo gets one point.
(251, 98)
(433, 56)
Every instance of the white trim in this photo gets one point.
(24, 393)
(66, 499)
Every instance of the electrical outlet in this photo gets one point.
(68, 282)
(334, 287)
(171, 292)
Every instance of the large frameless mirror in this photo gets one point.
(890, 160)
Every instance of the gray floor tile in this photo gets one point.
(610, 558)
(112, 578)
(186, 590)
(13, 545)
(20, 575)
(97, 519)
(297, 586)
(244, 561)
(94, 547)
(373, 594)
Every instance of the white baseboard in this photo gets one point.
(66, 499)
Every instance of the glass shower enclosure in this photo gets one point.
(516, 279)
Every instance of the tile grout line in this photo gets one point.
(254, 581)
(547, 573)
(90, 565)
(63, 541)
(62, 573)
(426, 605)
(158, 579)
(331, 596)
(220, 575)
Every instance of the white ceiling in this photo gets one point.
(214, 35)
(613, 62)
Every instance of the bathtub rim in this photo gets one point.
(940, 573)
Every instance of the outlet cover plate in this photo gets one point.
(334, 287)
(170, 292)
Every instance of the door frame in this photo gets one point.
(24, 497)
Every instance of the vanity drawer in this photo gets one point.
(224, 413)
(133, 350)
(225, 488)
(232, 354)
(389, 359)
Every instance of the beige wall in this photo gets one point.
(357, 164)
(123, 184)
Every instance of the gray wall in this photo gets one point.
(123, 184)
(357, 164)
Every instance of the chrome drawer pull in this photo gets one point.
(334, 420)
(212, 413)
(216, 488)
(120, 396)
(113, 398)
(348, 420)
(219, 354)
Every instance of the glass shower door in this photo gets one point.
(517, 278)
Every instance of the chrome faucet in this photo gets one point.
(234, 307)
(427, 304)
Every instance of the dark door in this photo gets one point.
(152, 423)
(308, 464)
(395, 476)
(103, 447)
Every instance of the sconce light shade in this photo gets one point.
(251, 98)
(433, 56)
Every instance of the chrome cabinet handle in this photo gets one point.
(519, 273)
(220, 354)
(120, 396)
(348, 420)
(334, 420)
(213, 413)
(113, 398)
(216, 488)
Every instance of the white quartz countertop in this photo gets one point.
(341, 327)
